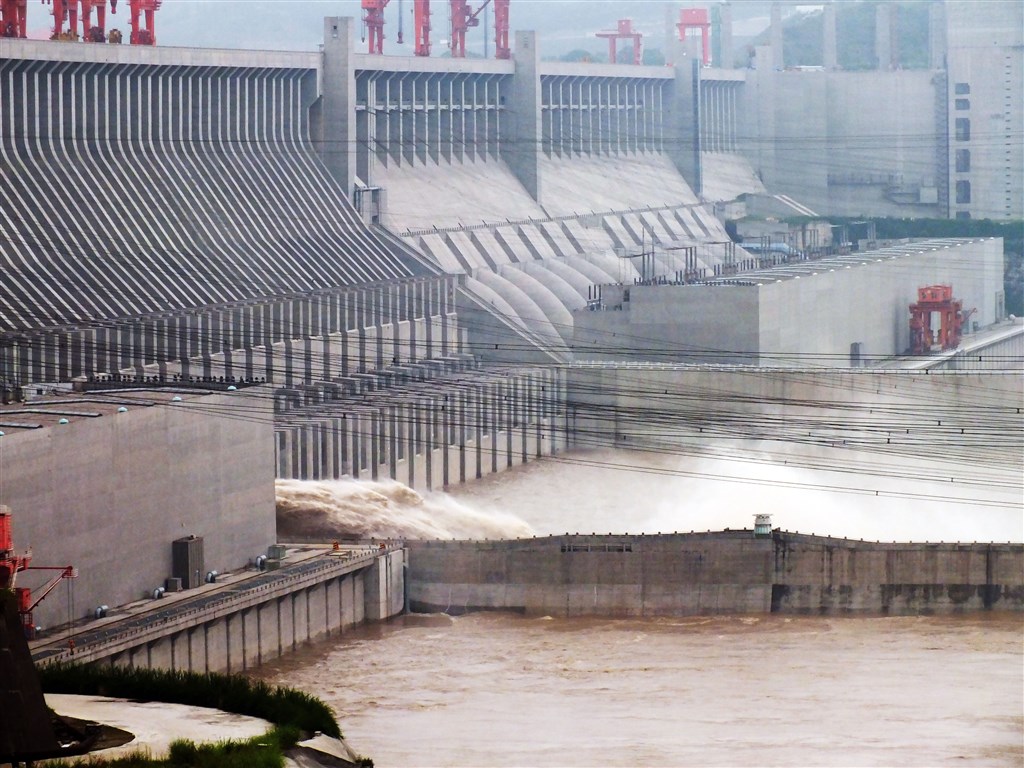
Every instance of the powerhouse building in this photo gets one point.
(347, 265)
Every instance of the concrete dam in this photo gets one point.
(712, 573)
(182, 240)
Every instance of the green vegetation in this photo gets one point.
(294, 714)
(266, 751)
(284, 707)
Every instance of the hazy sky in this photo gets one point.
(297, 24)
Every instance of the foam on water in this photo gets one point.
(352, 509)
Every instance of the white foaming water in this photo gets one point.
(846, 495)
(352, 509)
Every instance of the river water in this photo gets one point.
(507, 690)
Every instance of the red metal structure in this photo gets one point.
(421, 25)
(373, 20)
(501, 48)
(463, 17)
(64, 11)
(143, 9)
(13, 21)
(11, 564)
(624, 31)
(936, 299)
(696, 18)
(97, 33)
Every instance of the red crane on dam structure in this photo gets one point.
(13, 20)
(11, 564)
(462, 17)
(696, 19)
(936, 300)
(623, 31)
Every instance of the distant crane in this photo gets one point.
(623, 31)
(462, 18)
(143, 34)
(13, 20)
(11, 564)
(936, 300)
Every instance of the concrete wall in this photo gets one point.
(248, 624)
(984, 58)
(882, 146)
(780, 316)
(609, 406)
(245, 639)
(109, 495)
(725, 572)
(674, 324)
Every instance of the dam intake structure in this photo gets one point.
(722, 572)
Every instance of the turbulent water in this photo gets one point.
(351, 509)
(502, 690)
(836, 493)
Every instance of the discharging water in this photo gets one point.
(504, 690)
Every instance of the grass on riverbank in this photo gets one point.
(266, 751)
(284, 707)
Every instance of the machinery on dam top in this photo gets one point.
(461, 18)
(66, 15)
(11, 564)
(936, 300)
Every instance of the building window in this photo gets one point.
(963, 104)
(963, 129)
(963, 192)
(962, 89)
(963, 160)
(963, 214)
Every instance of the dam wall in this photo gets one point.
(246, 623)
(712, 573)
(972, 415)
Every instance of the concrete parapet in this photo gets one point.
(720, 572)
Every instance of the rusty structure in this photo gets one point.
(931, 301)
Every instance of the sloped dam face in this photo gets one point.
(713, 573)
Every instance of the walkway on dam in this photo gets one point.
(151, 619)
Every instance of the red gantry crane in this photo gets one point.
(623, 31)
(143, 11)
(66, 13)
(13, 19)
(936, 299)
(696, 18)
(97, 33)
(11, 564)
(463, 17)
